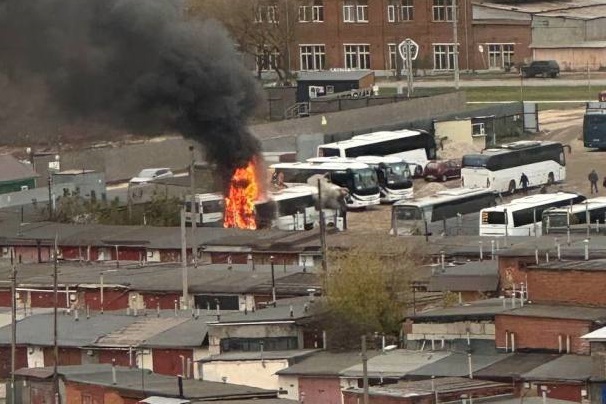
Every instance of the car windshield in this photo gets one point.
(432, 166)
(365, 178)
(147, 173)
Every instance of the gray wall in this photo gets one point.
(550, 30)
(124, 162)
(281, 136)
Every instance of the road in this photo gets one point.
(561, 125)
(510, 80)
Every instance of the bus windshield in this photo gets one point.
(475, 160)
(397, 172)
(406, 213)
(329, 152)
(594, 125)
(365, 178)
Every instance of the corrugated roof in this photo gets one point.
(597, 335)
(590, 265)
(395, 364)
(515, 365)
(12, 169)
(301, 308)
(190, 333)
(476, 276)
(546, 7)
(566, 367)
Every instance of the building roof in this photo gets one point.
(324, 364)
(482, 276)
(286, 310)
(37, 330)
(395, 364)
(153, 384)
(559, 311)
(597, 335)
(213, 239)
(348, 75)
(566, 367)
(216, 278)
(457, 364)
(164, 400)
(257, 355)
(515, 365)
(190, 333)
(137, 332)
(443, 385)
(576, 265)
(12, 169)
(479, 310)
(577, 9)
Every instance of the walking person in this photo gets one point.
(524, 183)
(593, 181)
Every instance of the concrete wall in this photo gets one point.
(457, 130)
(259, 374)
(550, 30)
(218, 332)
(40, 195)
(454, 330)
(281, 136)
(125, 161)
(542, 333)
(573, 58)
(291, 385)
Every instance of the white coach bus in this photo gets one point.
(522, 216)
(559, 220)
(501, 168)
(415, 147)
(359, 179)
(393, 175)
(411, 217)
(292, 208)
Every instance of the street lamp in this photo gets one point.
(273, 281)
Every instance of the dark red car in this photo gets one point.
(442, 170)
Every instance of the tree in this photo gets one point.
(263, 29)
(366, 290)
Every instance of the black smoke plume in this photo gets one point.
(137, 66)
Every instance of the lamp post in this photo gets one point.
(273, 281)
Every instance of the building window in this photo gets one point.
(357, 56)
(443, 56)
(500, 55)
(312, 12)
(254, 344)
(266, 14)
(400, 10)
(442, 10)
(355, 11)
(392, 50)
(313, 57)
(267, 59)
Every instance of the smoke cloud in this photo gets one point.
(135, 66)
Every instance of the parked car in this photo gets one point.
(150, 174)
(442, 170)
(544, 68)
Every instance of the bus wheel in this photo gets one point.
(550, 179)
(512, 187)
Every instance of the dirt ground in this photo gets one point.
(561, 125)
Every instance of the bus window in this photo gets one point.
(329, 152)
(493, 218)
(408, 213)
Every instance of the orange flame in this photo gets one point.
(240, 200)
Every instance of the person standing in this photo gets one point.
(524, 183)
(593, 181)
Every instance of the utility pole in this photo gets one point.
(194, 217)
(322, 228)
(456, 43)
(13, 327)
(364, 369)
(409, 77)
(184, 260)
(273, 281)
(55, 339)
(50, 196)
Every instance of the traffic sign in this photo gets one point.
(410, 44)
